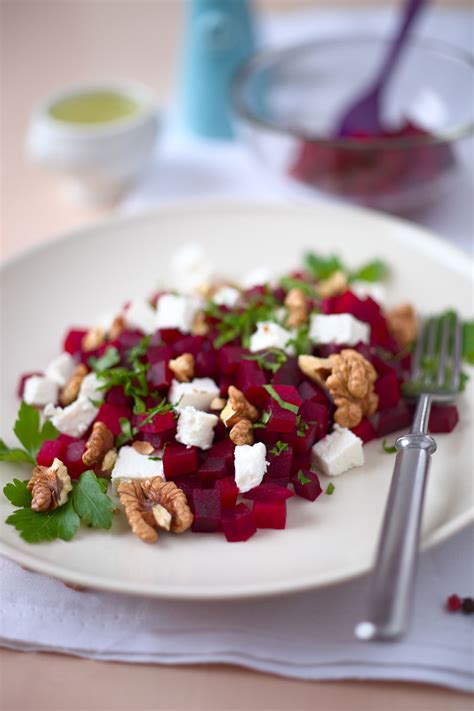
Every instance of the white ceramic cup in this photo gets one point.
(102, 160)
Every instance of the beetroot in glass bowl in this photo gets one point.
(289, 103)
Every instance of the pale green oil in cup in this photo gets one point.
(95, 107)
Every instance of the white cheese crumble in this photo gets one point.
(40, 390)
(375, 290)
(271, 335)
(190, 267)
(226, 296)
(250, 465)
(60, 369)
(174, 311)
(73, 420)
(338, 328)
(337, 452)
(90, 388)
(256, 277)
(131, 464)
(196, 428)
(198, 393)
(140, 315)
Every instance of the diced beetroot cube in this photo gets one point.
(364, 430)
(67, 439)
(158, 423)
(311, 391)
(129, 339)
(116, 396)
(179, 459)
(300, 461)
(279, 465)
(156, 353)
(111, 415)
(159, 376)
(238, 523)
(229, 358)
(207, 510)
(305, 437)
(329, 349)
(170, 335)
(228, 491)
(288, 374)
(212, 469)
(268, 492)
(280, 420)
(73, 458)
(443, 418)
(269, 439)
(224, 383)
(188, 344)
(288, 393)
(73, 340)
(388, 421)
(315, 413)
(270, 514)
(382, 366)
(22, 381)
(51, 449)
(220, 431)
(223, 450)
(249, 375)
(205, 363)
(388, 390)
(307, 489)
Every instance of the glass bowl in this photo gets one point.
(288, 104)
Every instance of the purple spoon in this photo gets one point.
(364, 115)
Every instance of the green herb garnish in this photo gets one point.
(127, 432)
(30, 433)
(272, 359)
(91, 503)
(17, 493)
(387, 448)
(288, 283)
(371, 272)
(302, 478)
(284, 405)
(263, 421)
(330, 489)
(163, 407)
(468, 342)
(279, 448)
(322, 267)
(110, 358)
(241, 322)
(301, 341)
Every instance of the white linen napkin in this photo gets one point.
(305, 636)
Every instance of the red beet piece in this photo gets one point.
(159, 352)
(116, 396)
(453, 603)
(443, 418)
(212, 469)
(158, 423)
(73, 458)
(228, 491)
(364, 430)
(388, 390)
(311, 488)
(159, 376)
(188, 344)
(205, 363)
(288, 374)
(270, 514)
(223, 450)
(251, 379)
(281, 420)
(311, 391)
(279, 465)
(238, 523)
(128, 339)
(288, 393)
(21, 383)
(111, 415)
(300, 461)
(207, 510)
(305, 437)
(73, 340)
(268, 492)
(178, 459)
(313, 412)
(229, 358)
(392, 420)
(170, 335)
(51, 449)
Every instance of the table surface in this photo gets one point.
(74, 41)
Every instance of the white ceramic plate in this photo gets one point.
(68, 281)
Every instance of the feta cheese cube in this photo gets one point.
(198, 393)
(190, 267)
(256, 277)
(60, 369)
(271, 335)
(90, 388)
(226, 296)
(338, 328)
(174, 311)
(73, 420)
(40, 390)
(196, 428)
(130, 464)
(250, 465)
(337, 452)
(376, 291)
(140, 315)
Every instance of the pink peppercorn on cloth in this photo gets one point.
(304, 636)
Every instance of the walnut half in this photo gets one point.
(99, 443)
(144, 501)
(49, 486)
(238, 408)
(402, 324)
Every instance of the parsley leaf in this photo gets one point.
(272, 359)
(14, 455)
(17, 493)
(91, 503)
(139, 351)
(127, 433)
(31, 435)
(301, 341)
(287, 283)
(284, 405)
(302, 478)
(279, 448)
(373, 271)
(110, 358)
(162, 408)
(263, 421)
(468, 341)
(330, 489)
(35, 527)
(387, 448)
(241, 322)
(322, 267)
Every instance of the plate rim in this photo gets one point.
(411, 233)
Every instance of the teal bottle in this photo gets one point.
(219, 37)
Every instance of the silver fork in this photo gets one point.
(392, 579)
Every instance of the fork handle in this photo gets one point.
(391, 582)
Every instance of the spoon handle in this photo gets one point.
(411, 10)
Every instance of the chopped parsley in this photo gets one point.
(371, 272)
(387, 448)
(282, 403)
(302, 478)
(330, 489)
(322, 267)
(263, 421)
(301, 341)
(241, 322)
(31, 435)
(127, 432)
(110, 358)
(272, 359)
(288, 283)
(279, 448)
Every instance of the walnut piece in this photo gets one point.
(402, 324)
(237, 408)
(143, 447)
(108, 461)
(297, 305)
(49, 486)
(94, 338)
(242, 433)
(349, 378)
(99, 443)
(182, 367)
(332, 286)
(70, 391)
(118, 325)
(200, 326)
(143, 501)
